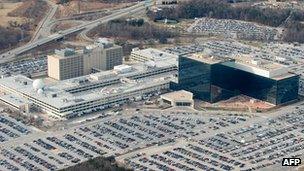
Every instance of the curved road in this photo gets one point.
(43, 25)
(12, 54)
(84, 33)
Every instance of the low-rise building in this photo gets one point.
(178, 98)
(150, 54)
(86, 94)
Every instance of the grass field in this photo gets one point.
(5, 8)
(72, 7)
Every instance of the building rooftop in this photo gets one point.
(153, 54)
(57, 94)
(69, 52)
(246, 63)
(205, 58)
(259, 63)
(181, 95)
(66, 53)
(14, 99)
(261, 67)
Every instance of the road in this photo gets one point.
(84, 33)
(43, 25)
(12, 54)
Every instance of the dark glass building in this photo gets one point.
(195, 76)
(213, 79)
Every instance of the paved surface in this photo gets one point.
(175, 139)
(42, 29)
(10, 55)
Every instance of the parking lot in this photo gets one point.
(184, 156)
(46, 152)
(233, 29)
(285, 53)
(111, 135)
(11, 129)
(27, 67)
(279, 5)
(164, 140)
(258, 143)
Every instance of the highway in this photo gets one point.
(84, 33)
(43, 25)
(10, 55)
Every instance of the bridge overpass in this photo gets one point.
(12, 54)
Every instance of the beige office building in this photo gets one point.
(102, 58)
(68, 63)
(65, 64)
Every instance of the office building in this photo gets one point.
(100, 59)
(212, 79)
(85, 94)
(64, 64)
(68, 63)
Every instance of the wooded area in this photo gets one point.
(9, 37)
(133, 29)
(220, 9)
(97, 164)
(32, 11)
(104, 1)
(294, 32)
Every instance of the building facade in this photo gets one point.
(215, 81)
(195, 76)
(180, 98)
(86, 94)
(68, 63)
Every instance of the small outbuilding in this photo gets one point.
(177, 98)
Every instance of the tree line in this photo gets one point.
(221, 9)
(103, 1)
(294, 32)
(97, 164)
(10, 36)
(32, 11)
(133, 29)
